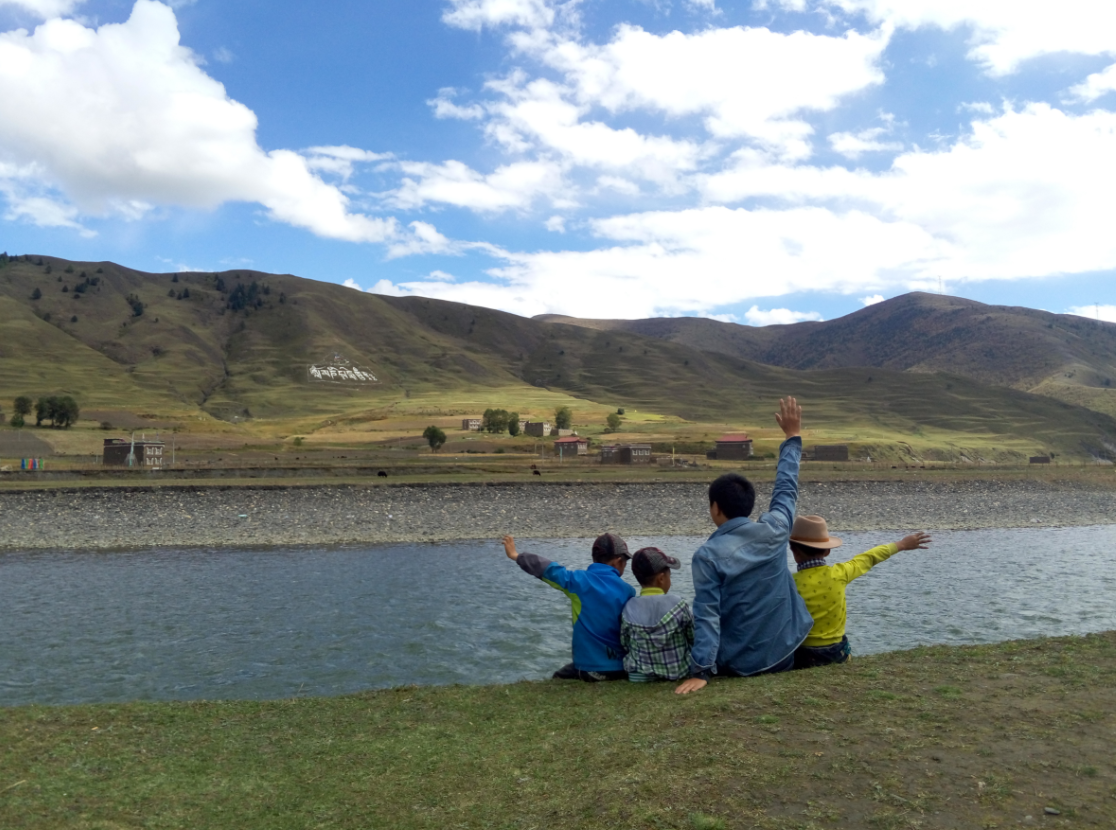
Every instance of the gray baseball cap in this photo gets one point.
(650, 561)
(608, 546)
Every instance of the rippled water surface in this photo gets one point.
(185, 624)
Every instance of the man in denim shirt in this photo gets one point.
(748, 616)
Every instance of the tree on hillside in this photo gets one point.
(613, 421)
(36, 294)
(61, 411)
(495, 421)
(137, 305)
(513, 424)
(22, 405)
(434, 437)
(563, 417)
(65, 411)
(17, 421)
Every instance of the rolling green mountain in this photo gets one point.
(241, 344)
(1008, 346)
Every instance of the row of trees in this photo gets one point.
(61, 410)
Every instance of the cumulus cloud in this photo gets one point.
(478, 14)
(445, 107)
(744, 82)
(1023, 194)
(121, 117)
(854, 145)
(1095, 86)
(1004, 33)
(1095, 312)
(778, 316)
(872, 300)
(44, 9)
(512, 186)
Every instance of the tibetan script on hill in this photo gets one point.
(339, 370)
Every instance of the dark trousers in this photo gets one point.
(786, 664)
(809, 657)
(571, 672)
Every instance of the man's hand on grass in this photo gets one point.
(789, 417)
(691, 685)
(509, 548)
(916, 541)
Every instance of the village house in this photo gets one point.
(626, 454)
(537, 429)
(471, 424)
(831, 452)
(149, 454)
(571, 446)
(733, 447)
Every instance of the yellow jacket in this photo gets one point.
(823, 590)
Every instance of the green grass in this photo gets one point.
(874, 743)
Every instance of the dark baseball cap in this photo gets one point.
(650, 561)
(608, 546)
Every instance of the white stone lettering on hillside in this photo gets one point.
(337, 369)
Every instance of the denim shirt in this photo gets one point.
(748, 615)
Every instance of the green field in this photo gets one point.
(975, 737)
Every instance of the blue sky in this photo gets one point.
(763, 161)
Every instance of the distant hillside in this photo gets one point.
(1008, 346)
(240, 344)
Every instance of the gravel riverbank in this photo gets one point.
(246, 516)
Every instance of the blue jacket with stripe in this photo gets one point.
(598, 595)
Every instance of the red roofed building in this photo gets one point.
(734, 447)
(571, 445)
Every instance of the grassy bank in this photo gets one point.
(932, 738)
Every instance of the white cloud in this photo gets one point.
(512, 186)
(341, 160)
(872, 300)
(1024, 194)
(477, 14)
(1004, 32)
(698, 260)
(1095, 312)
(745, 82)
(444, 106)
(1095, 86)
(122, 116)
(555, 224)
(351, 283)
(778, 316)
(854, 145)
(223, 55)
(44, 9)
(538, 115)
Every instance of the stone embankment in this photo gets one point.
(331, 515)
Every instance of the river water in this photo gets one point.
(190, 624)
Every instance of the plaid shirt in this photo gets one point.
(657, 635)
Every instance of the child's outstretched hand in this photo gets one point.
(916, 541)
(789, 417)
(509, 548)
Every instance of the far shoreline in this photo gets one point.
(326, 514)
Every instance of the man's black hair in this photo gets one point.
(734, 494)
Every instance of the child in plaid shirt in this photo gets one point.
(656, 631)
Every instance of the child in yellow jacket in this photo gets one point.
(822, 586)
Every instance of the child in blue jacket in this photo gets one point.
(598, 595)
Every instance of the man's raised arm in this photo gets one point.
(784, 495)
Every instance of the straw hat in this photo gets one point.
(813, 532)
